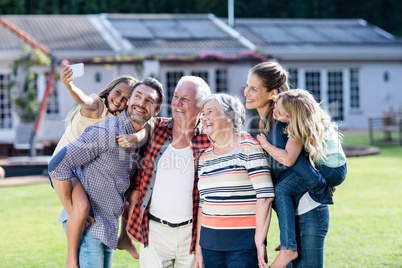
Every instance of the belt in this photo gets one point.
(173, 225)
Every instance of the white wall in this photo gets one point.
(376, 94)
(237, 79)
(379, 95)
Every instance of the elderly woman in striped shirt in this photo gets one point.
(236, 190)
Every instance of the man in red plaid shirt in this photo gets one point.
(165, 203)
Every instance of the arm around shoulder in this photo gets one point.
(287, 156)
(128, 140)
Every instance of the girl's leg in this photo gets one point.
(76, 222)
(334, 176)
(316, 184)
(124, 241)
(285, 191)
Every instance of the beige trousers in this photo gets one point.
(167, 245)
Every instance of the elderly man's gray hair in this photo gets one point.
(230, 108)
(203, 89)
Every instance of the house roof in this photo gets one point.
(59, 33)
(314, 38)
(174, 33)
(317, 32)
(9, 41)
(87, 36)
(120, 34)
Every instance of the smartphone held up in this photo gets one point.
(77, 69)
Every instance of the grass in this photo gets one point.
(30, 234)
(365, 225)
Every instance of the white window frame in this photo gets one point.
(188, 70)
(346, 90)
(8, 134)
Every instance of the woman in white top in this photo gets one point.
(264, 82)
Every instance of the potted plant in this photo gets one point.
(23, 90)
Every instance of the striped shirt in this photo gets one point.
(78, 124)
(103, 168)
(229, 187)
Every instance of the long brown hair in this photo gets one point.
(273, 76)
(127, 79)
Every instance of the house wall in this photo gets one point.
(237, 81)
(379, 95)
(236, 77)
(376, 94)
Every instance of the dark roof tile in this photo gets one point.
(151, 32)
(60, 32)
(320, 32)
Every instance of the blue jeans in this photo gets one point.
(311, 229)
(92, 253)
(285, 205)
(233, 259)
(291, 184)
(334, 176)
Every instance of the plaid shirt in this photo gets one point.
(145, 178)
(103, 167)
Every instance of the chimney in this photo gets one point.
(231, 13)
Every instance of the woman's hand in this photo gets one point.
(263, 219)
(65, 75)
(198, 263)
(262, 256)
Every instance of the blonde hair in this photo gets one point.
(308, 122)
(103, 94)
(272, 76)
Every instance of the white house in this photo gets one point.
(353, 67)
(350, 65)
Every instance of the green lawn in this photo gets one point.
(365, 225)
